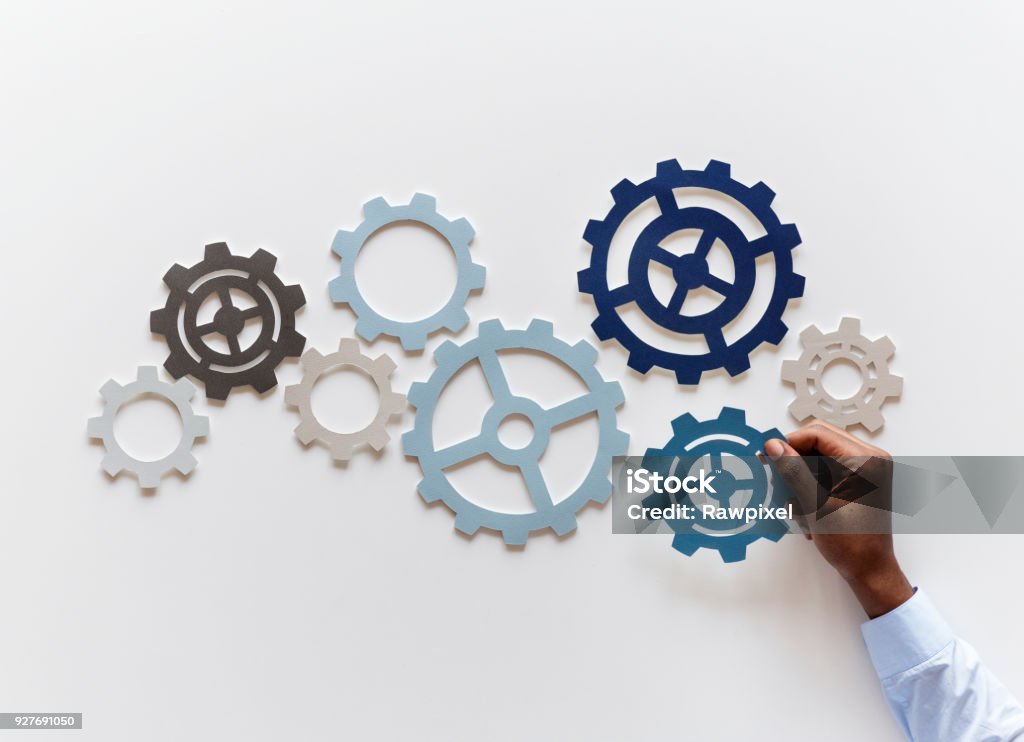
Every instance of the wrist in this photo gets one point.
(881, 590)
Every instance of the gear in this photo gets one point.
(602, 397)
(193, 426)
(218, 274)
(315, 365)
(847, 344)
(370, 323)
(692, 442)
(691, 271)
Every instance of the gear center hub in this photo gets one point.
(691, 271)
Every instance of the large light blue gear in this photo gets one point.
(729, 435)
(452, 316)
(691, 271)
(602, 397)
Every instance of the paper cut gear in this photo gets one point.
(846, 344)
(602, 397)
(315, 365)
(193, 426)
(452, 316)
(691, 271)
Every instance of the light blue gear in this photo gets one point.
(691, 441)
(452, 316)
(602, 397)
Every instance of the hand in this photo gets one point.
(852, 536)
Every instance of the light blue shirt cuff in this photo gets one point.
(906, 636)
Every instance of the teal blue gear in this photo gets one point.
(602, 397)
(730, 435)
(452, 316)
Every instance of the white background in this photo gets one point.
(275, 596)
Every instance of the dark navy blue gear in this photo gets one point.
(691, 271)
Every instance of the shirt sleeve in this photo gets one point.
(935, 683)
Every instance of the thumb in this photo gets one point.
(796, 475)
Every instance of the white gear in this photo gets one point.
(343, 445)
(845, 344)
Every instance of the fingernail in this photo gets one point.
(774, 448)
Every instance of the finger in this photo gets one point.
(794, 472)
(825, 439)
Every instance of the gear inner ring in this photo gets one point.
(691, 270)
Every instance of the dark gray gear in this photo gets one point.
(217, 274)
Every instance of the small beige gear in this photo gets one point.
(845, 344)
(315, 365)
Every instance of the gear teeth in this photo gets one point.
(718, 169)
(431, 491)
(622, 190)
(216, 252)
(263, 262)
(346, 346)
(872, 420)
(811, 337)
(614, 394)
(341, 450)
(291, 343)
(563, 523)
(383, 365)
(803, 408)
(461, 230)
(147, 374)
(793, 372)
(762, 194)
(891, 385)
(598, 488)
(184, 390)
(424, 202)
(733, 551)
(598, 233)
(412, 339)
(604, 327)
(369, 331)
(491, 328)
(584, 353)
(419, 394)
(177, 278)
(163, 321)
(293, 395)
(732, 417)
(265, 381)
(541, 327)
(466, 524)
(774, 333)
(688, 376)
(148, 479)
(312, 358)
(175, 367)
(307, 432)
(112, 465)
(685, 426)
(458, 322)
(378, 439)
(111, 391)
(393, 403)
(337, 288)
(95, 428)
(883, 348)
(292, 298)
(669, 170)
(640, 363)
(217, 389)
(787, 236)
(376, 208)
(586, 282)
(795, 286)
(446, 353)
(201, 426)
(409, 447)
(513, 535)
(476, 277)
(344, 241)
(737, 365)
(849, 326)
(685, 545)
(187, 464)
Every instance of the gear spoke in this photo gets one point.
(675, 304)
(716, 340)
(208, 329)
(715, 461)
(537, 487)
(224, 295)
(660, 255)
(460, 452)
(622, 295)
(707, 239)
(250, 313)
(495, 376)
(233, 345)
(718, 285)
(571, 410)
